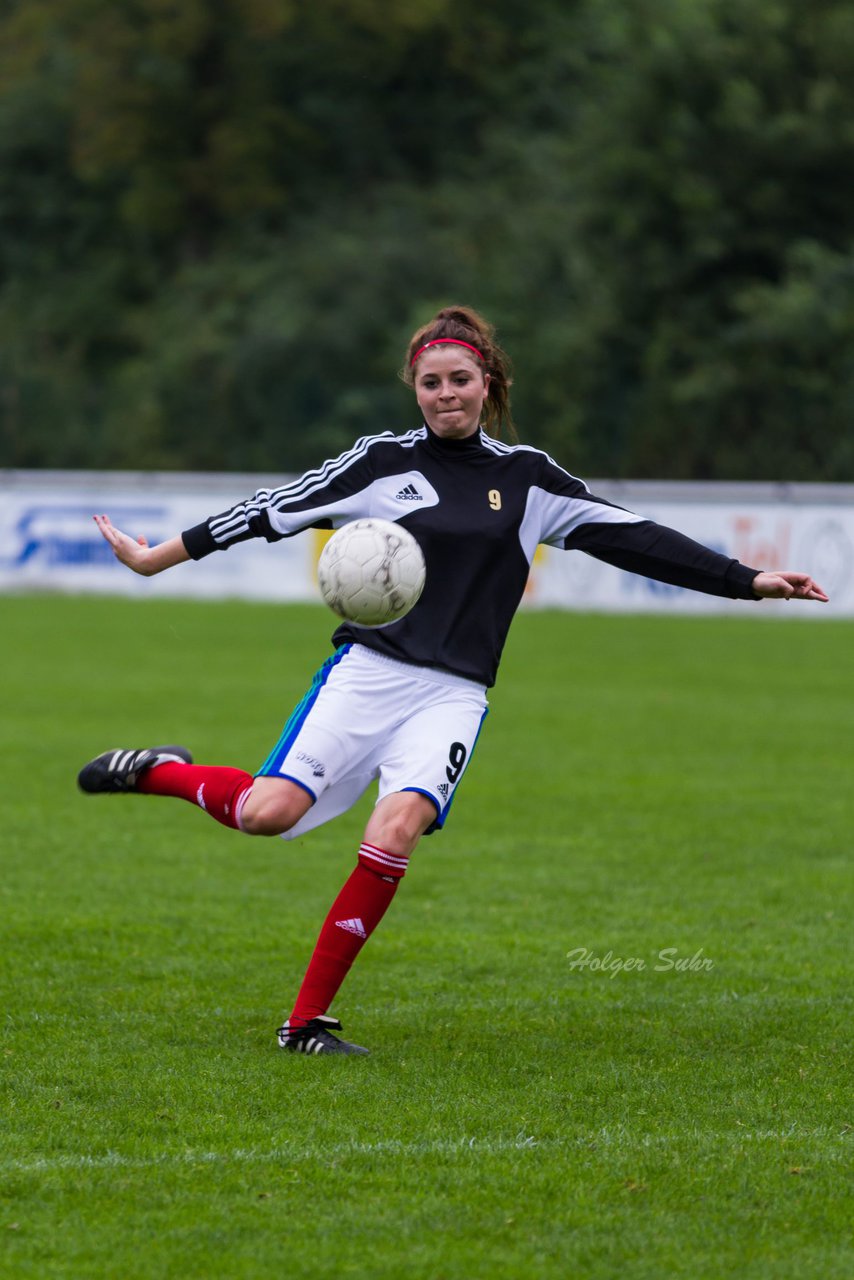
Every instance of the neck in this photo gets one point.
(453, 444)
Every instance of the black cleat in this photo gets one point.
(119, 769)
(315, 1037)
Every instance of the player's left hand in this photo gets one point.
(783, 585)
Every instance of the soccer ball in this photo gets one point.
(371, 572)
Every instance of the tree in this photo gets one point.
(220, 219)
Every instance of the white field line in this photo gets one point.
(285, 1155)
(290, 1154)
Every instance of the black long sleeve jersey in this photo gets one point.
(478, 508)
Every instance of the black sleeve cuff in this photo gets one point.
(199, 542)
(739, 579)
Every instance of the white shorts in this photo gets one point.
(369, 717)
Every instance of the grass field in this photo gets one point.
(642, 785)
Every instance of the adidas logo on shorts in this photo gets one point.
(409, 494)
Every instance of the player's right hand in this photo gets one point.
(134, 553)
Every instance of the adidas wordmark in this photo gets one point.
(352, 926)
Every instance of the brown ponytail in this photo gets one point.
(467, 326)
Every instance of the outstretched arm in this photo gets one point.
(655, 551)
(137, 554)
(783, 585)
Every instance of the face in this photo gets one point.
(451, 387)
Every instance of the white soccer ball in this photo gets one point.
(371, 572)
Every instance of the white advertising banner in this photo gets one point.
(761, 527)
(48, 541)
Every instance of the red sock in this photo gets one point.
(356, 912)
(217, 789)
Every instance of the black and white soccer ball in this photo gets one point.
(371, 572)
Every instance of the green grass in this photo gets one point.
(641, 784)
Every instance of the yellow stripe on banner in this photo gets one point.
(531, 584)
(320, 537)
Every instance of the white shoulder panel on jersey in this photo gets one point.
(233, 523)
(552, 517)
(387, 498)
(319, 479)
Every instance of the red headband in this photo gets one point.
(457, 342)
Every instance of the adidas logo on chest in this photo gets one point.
(399, 496)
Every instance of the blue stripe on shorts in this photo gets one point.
(272, 765)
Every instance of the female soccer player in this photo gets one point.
(404, 704)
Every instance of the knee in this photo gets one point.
(399, 821)
(398, 834)
(265, 820)
(272, 811)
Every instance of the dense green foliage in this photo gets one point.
(219, 223)
(518, 1119)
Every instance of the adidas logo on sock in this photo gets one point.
(409, 494)
(352, 926)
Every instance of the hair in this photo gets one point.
(466, 325)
